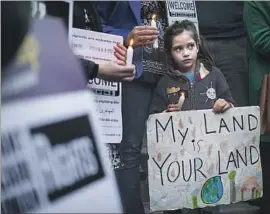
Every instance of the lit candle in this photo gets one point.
(154, 24)
(181, 100)
(130, 53)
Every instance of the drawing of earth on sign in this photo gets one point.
(212, 190)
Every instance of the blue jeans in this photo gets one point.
(136, 99)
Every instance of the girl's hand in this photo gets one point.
(221, 106)
(173, 108)
(120, 52)
(142, 35)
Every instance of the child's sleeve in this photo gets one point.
(159, 103)
(223, 90)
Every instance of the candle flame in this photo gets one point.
(131, 42)
(153, 16)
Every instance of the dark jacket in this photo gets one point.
(257, 24)
(220, 19)
(119, 18)
(85, 16)
(202, 93)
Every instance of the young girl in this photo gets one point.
(192, 76)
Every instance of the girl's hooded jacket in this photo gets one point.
(201, 93)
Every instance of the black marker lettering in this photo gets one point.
(169, 171)
(249, 123)
(244, 161)
(231, 159)
(223, 125)
(198, 169)
(164, 128)
(251, 156)
(183, 136)
(236, 121)
(205, 126)
(219, 163)
(190, 170)
(160, 167)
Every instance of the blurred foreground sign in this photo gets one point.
(199, 159)
(52, 158)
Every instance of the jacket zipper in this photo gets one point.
(192, 94)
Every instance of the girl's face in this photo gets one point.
(184, 51)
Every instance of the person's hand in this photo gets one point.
(173, 108)
(142, 35)
(112, 71)
(120, 52)
(221, 106)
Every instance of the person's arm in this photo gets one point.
(90, 68)
(256, 20)
(104, 10)
(110, 71)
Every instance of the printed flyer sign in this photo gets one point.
(199, 159)
(98, 47)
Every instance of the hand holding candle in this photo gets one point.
(142, 35)
(173, 99)
(154, 24)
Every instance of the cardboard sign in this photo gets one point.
(52, 161)
(199, 159)
(179, 10)
(98, 47)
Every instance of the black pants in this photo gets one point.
(135, 103)
(265, 159)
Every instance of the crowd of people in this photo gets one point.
(232, 51)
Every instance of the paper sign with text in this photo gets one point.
(52, 158)
(98, 47)
(179, 10)
(199, 159)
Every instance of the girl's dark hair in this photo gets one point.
(178, 28)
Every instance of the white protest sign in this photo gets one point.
(179, 10)
(52, 161)
(98, 47)
(199, 159)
